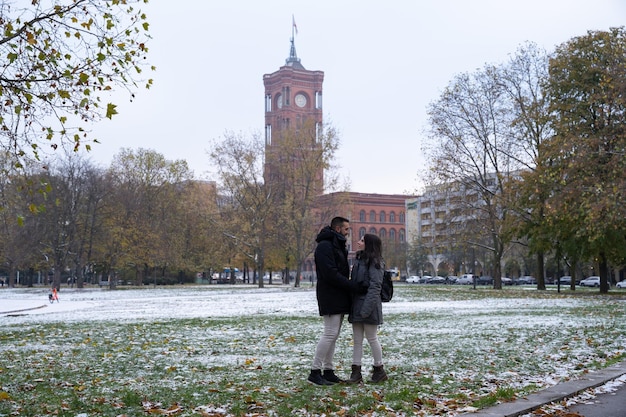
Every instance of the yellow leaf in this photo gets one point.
(377, 395)
(111, 110)
(30, 38)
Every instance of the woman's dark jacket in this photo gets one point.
(333, 270)
(366, 308)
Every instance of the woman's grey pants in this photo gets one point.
(370, 331)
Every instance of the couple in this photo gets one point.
(338, 295)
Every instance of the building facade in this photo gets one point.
(379, 214)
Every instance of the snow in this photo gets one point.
(232, 301)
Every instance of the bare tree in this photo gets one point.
(247, 210)
(470, 152)
(523, 79)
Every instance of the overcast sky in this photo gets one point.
(383, 63)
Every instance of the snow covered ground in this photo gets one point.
(159, 303)
(31, 304)
(440, 341)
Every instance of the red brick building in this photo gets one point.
(379, 214)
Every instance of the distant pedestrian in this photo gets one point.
(333, 293)
(367, 309)
(55, 295)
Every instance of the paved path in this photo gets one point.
(610, 404)
(566, 390)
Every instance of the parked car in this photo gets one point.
(590, 282)
(526, 280)
(507, 281)
(276, 277)
(621, 284)
(425, 279)
(565, 280)
(465, 279)
(413, 279)
(437, 280)
(451, 279)
(484, 280)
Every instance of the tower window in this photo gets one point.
(318, 99)
(268, 134)
(268, 102)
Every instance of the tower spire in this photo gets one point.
(293, 60)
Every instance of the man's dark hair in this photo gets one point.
(338, 222)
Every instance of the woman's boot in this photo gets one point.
(355, 376)
(379, 374)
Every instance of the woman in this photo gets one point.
(367, 310)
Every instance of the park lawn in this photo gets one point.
(447, 349)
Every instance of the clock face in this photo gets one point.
(279, 101)
(300, 100)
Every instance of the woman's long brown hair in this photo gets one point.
(373, 249)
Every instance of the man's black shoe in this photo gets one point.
(315, 377)
(329, 375)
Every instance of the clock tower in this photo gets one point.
(293, 118)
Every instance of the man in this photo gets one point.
(333, 296)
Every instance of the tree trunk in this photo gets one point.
(574, 267)
(57, 278)
(11, 283)
(541, 282)
(604, 274)
(298, 274)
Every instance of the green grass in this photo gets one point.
(439, 360)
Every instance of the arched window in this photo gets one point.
(402, 217)
(392, 217)
(392, 235)
(362, 231)
(372, 216)
(373, 230)
(362, 215)
(401, 235)
(382, 234)
(382, 217)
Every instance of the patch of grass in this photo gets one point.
(439, 359)
(502, 394)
